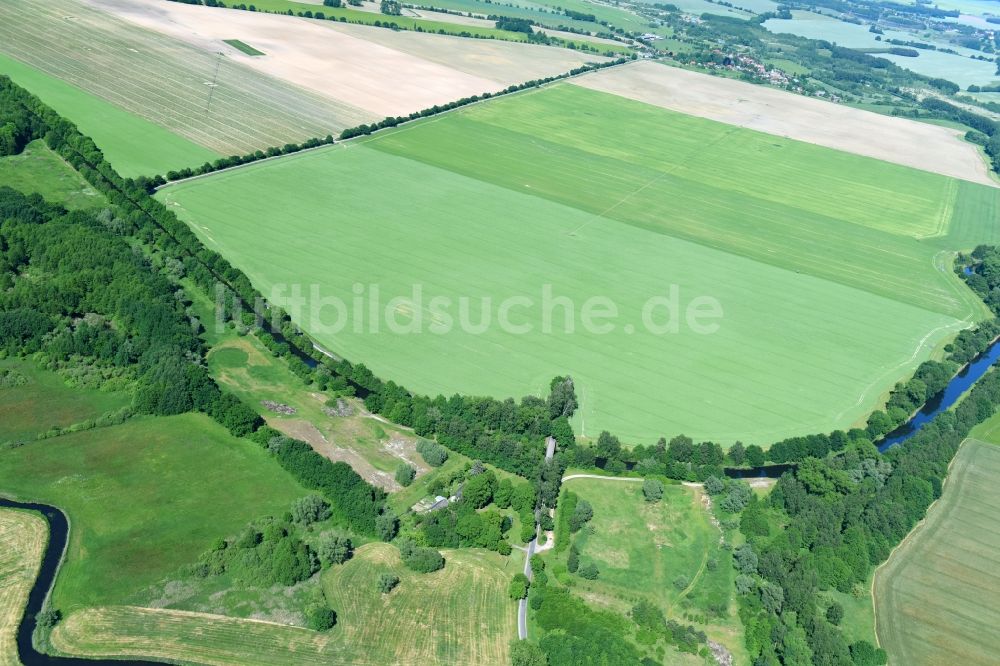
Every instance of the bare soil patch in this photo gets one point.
(307, 432)
(381, 71)
(898, 140)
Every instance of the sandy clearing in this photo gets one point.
(381, 71)
(899, 140)
(22, 540)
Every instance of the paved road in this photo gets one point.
(522, 606)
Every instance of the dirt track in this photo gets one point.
(766, 109)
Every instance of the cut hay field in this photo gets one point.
(641, 549)
(937, 599)
(459, 615)
(810, 252)
(379, 72)
(195, 96)
(23, 536)
(46, 401)
(39, 170)
(143, 499)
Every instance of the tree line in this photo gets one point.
(351, 132)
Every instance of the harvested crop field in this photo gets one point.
(23, 536)
(937, 599)
(212, 100)
(920, 145)
(811, 254)
(459, 615)
(383, 72)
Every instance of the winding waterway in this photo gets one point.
(58, 535)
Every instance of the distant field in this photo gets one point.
(210, 100)
(378, 72)
(132, 144)
(809, 251)
(459, 615)
(245, 48)
(937, 599)
(23, 536)
(641, 549)
(38, 169)
(46, 401)
(144, 498)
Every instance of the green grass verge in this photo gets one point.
(133, 145)
(937, 599)
(39, 170)
(459, 615)
(46, 401)
(597, 195)
(244, 47)
(144, 498)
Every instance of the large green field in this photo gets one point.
(459, 615)
(45, 401)
(143, 499)
(937, 599)
(825, 264)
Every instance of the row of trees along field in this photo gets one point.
(351, 132)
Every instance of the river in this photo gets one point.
(58, 534)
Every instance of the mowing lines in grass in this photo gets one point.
(459, 615)
(461, 236)
(937, 599)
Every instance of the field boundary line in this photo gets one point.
(362, 137)
(910, 535)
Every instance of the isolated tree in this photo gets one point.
(524, 653)
(310, 509)
(652, 489)
(320, 618)
(835, 613)
(335, 550)
(48, 618)
(519, 585)
(581, 515)
(589, 571)
(387, 582)
(405, 475)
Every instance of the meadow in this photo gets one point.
(643, 549)
(117, 81)
(143, 499)
(810, 252)
(460, 614)
(23, 536)
(936, 598)
(39, 170)
(46, 401)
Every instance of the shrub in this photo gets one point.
(335, 550)
(652, 490)
(387, 582)
(589, 571)
(419, 558)
(433, 454)
(310, 509)
(519, 585)
(320, 618)
(405, 475)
